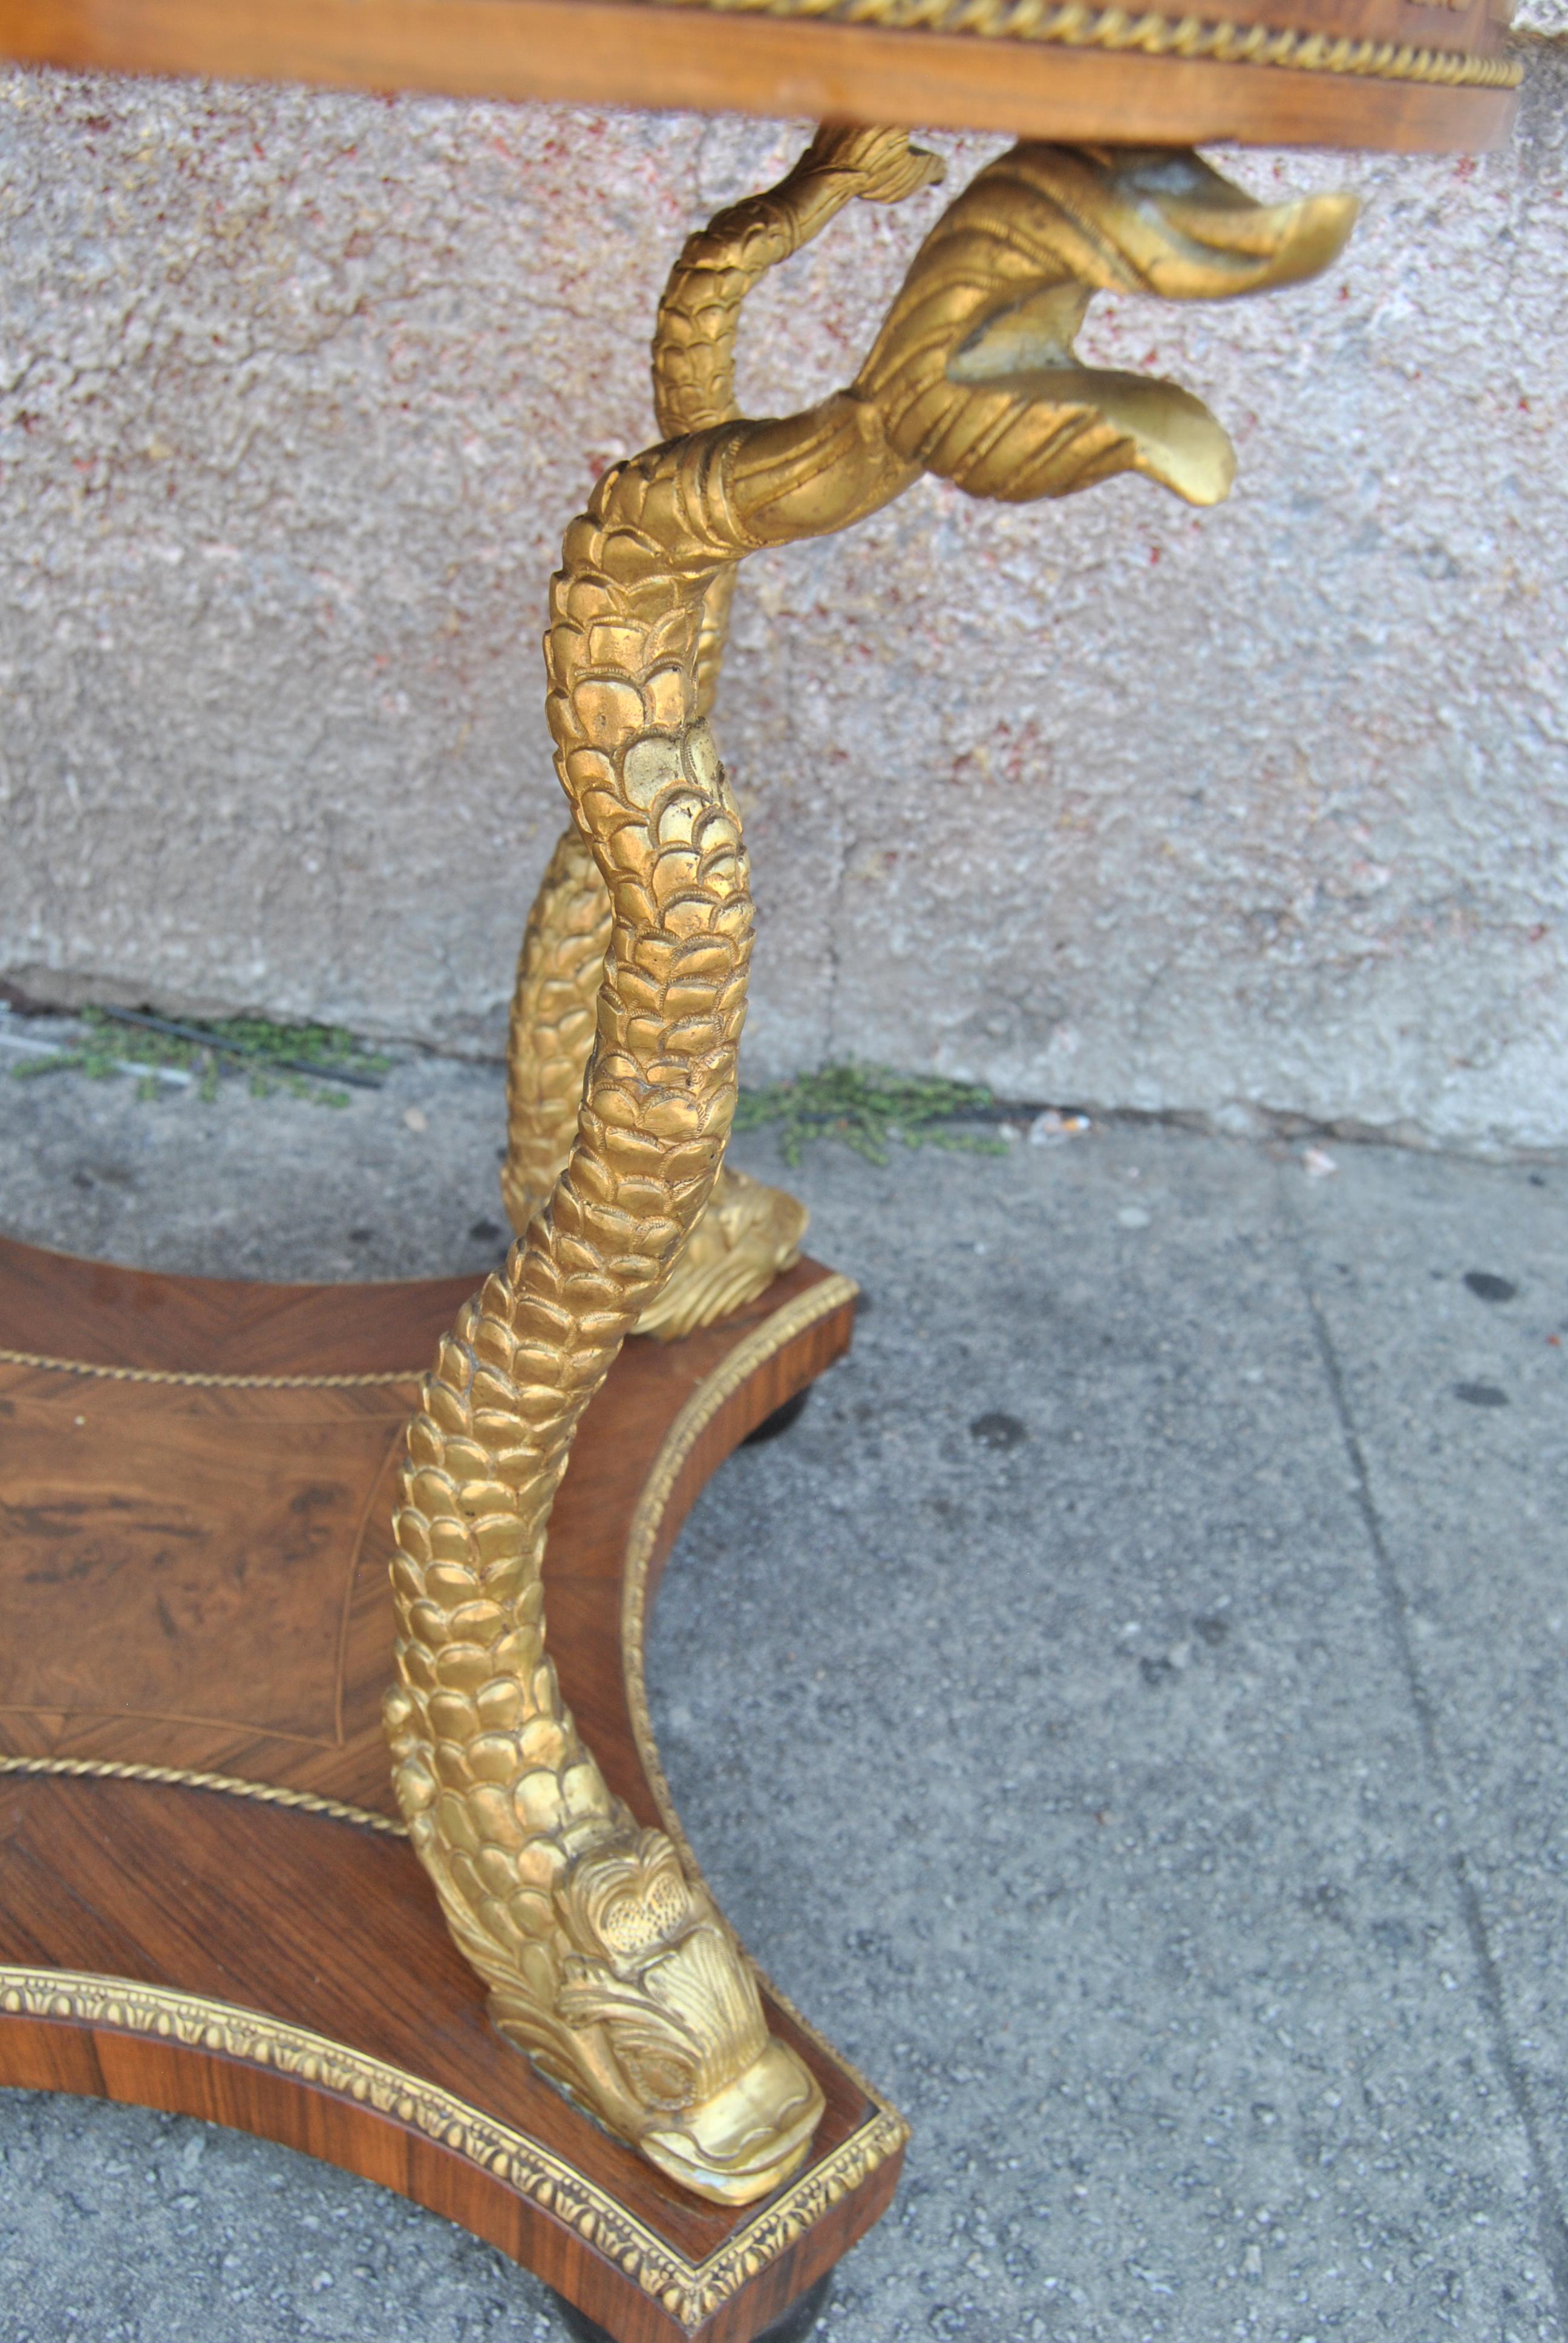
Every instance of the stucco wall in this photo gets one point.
(1107, 802)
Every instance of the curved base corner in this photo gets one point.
(207, 1900)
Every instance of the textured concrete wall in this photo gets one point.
(1106, 802)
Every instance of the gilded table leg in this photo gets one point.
(749, 1233)
(605, 1961)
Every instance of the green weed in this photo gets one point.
(867, 1107)
(272, 1057)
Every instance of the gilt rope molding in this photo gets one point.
(606, 1958)
(182, 1777)
(1431, 76)
(191, 1380)
(1067, 24)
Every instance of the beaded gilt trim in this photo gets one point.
(690, 2291)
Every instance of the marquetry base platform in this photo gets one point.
(206, 1901)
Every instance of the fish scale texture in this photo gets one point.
(552, 1021)
(572, 1916)
(754, 1233)
(488, 1454)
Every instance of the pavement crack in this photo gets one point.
(840, 887)
(1553, 2220)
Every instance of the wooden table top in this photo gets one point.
(1389, 73)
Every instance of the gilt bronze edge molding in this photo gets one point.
(704, 1404)
(818, 1302)
(690, 2291)
(1149, 32)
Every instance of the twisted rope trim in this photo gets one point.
(1069, 25)
(108, 1769)
(205, 1382)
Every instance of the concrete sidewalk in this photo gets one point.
(1126, 1713)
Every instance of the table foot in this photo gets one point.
(793, 2326)
(781, 1420)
